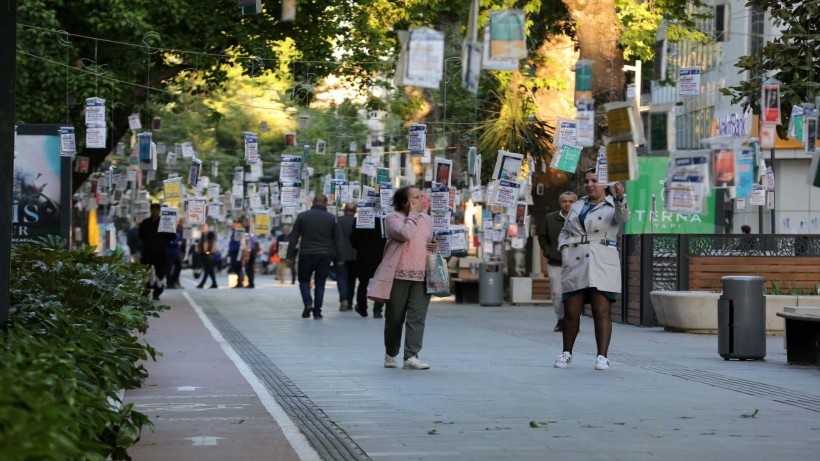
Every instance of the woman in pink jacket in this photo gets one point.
(399, 281)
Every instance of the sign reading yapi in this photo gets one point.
(640, 193)
(41, 193)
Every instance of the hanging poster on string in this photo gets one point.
(290, 168)
(168, 220)
(567, 158)
(366, 215)
(689, 81)
(251, 147)
(425, 58)
(195, 211)
(290, 193)
(506, 195)
(770, 102)
(416, 139)
(508, 38)
(507, 165)
(68, 143)
(443, 171)
(440, 198)
(585, 123)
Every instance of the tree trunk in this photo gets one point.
(598, 30)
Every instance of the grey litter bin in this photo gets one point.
(490, 284)
(742, 318)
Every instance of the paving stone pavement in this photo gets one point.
(492, 392)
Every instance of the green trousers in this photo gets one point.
(406, 307)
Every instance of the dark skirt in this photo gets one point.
(609, 294)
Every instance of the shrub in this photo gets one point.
(70, 347)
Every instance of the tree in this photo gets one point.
(793, 58)
(128, 52)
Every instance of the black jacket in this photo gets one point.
(316, 232)
(369, 245)
(154, 243)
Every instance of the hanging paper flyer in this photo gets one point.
(213, 191)
(290, 193)
(251, 147)
(795, 129)
(507, 165)
(425, 58)
(95, 112)
(366, 215)
(621, 161)
(770, 102)
(261, 222)
(769, 178)
(187, 150)
(458, 239)
(443, 171)
(725, 167)
(567, 133)
(810, 131)
(744, 170)
(689, 81)
(477, 194)
(172, 189)
(441, 219)
(290, 168)
(416, 139)
(507, 194)
(472, 153)
(321, 146)
(386, 197)
(168, 220)
(442, 237)
(600, 167)
(68, 143)
(567, 158)
(758, 197)
(439, 198)
(144, 148)
(255, 201)
(193, 172)
(195, 212)
(585, 123)
(95, 137)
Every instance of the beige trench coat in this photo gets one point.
(594, 264)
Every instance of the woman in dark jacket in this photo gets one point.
(369, 245)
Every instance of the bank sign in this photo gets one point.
(652, 174)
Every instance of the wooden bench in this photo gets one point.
(465, 290)
(802, 337)
(781, 272)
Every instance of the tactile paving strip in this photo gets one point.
(329, 440)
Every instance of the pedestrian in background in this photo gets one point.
(284, 237)
(234, 252)
(400, 279)
(548, 239)
(346, 273)
(207, 254)
(174, 253)
(319, 238)
(369, 245)
(154, 246)
(134, 242)
(591, 264)
(250, 251)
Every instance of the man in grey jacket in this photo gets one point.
(549, 246)
(320, 241)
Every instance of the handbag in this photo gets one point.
(438, 280)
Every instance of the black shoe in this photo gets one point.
(238, 286)
(156, 297)
(250, 286)
(377, 314)
(361, 310)
(317, 316)
(213, 286)
(200, 286)
(306, 312)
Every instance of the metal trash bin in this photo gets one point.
(742, 318)
(490, 284)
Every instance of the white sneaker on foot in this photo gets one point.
(601, 363)
(563, 360)
(415, 363)
(390, 362)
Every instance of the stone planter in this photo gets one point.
(696, 311)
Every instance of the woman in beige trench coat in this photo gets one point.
(591, 270)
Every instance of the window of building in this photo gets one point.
(756, 28)
(691, 127)
(722, 23)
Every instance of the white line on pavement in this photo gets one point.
(297, 440)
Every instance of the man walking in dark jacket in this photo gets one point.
(549, 246)
(346, 273)
(319, 239)
(154, 245)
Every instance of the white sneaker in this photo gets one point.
(601, 363)
(390, 362)
(415, 363)
(563, 360)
